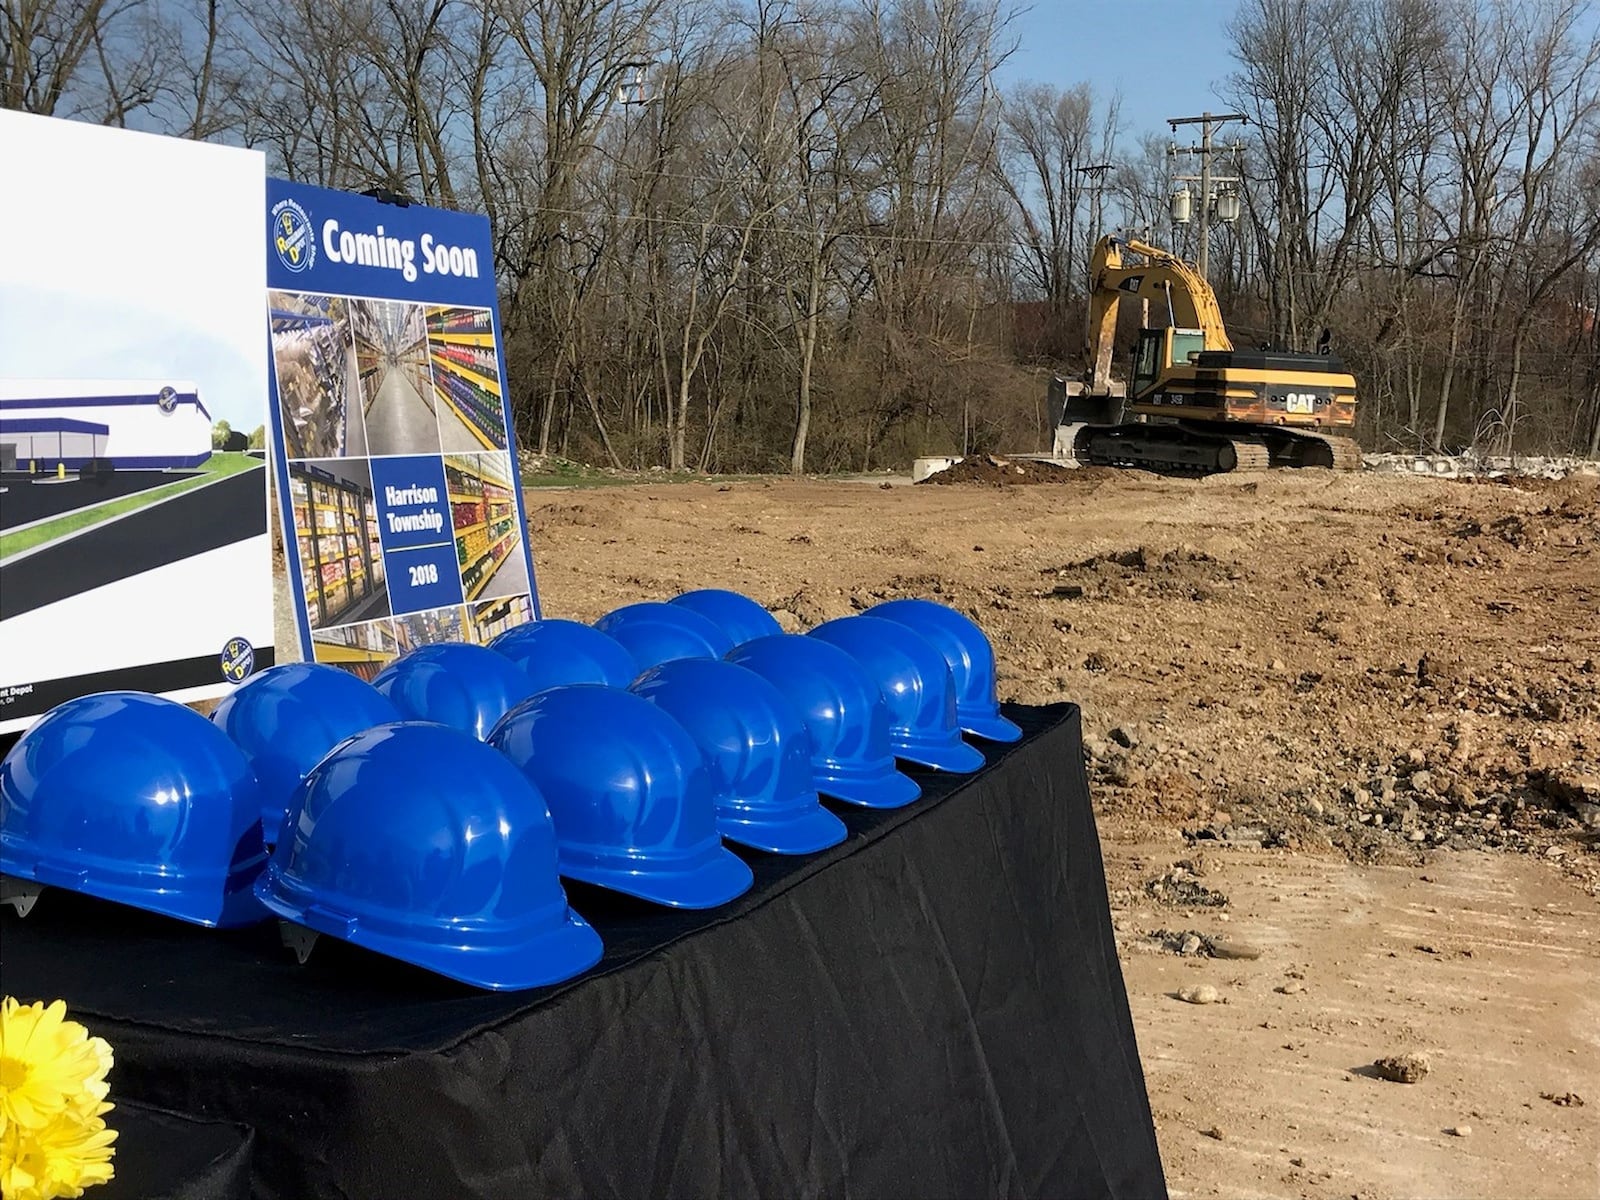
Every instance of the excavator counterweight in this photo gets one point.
(1197, 405)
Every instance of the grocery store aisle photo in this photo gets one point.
(466, 379)
(427, 627)
(396, 389)
(363, 649)
(483, 511)
(491, 618)
(336, 533)
(316, 376)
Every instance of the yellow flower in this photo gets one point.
(48, 1066)
(58, 1159)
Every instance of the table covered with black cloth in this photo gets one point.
(932, 1008)
(169, 1156)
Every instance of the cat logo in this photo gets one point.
(1131, 283)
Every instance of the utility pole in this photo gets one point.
(1229, 211)
(1096, 174)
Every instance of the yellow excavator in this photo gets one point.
(1198, 406)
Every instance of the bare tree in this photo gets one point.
(1056, 150)
(824, 100)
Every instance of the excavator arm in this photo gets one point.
(1163, 278)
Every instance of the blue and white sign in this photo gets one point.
(414, 527)
(398, 480)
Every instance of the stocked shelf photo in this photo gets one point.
(466, 379)
(483, 510)
(316, 376)
(491, 618)
(391, 345)
(427, 627)
(362, 650)
(336, 531)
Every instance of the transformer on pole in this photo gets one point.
(1224, 204)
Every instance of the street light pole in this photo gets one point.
(1206, 121)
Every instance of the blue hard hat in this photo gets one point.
(554, 652)
(916, 686)
(630, 795)
(419, 842)
(135, 799)
(755, 743)
(970, 657)
(740, 617)
(655, 632)
(287, 717)
(454, 683)
(845, 713)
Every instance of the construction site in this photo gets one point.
(1343, 735)
(866, 600)
(1341, 730)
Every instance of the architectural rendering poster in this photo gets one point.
(134, 550)
(398, 478)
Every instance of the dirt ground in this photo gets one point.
(1351, 722)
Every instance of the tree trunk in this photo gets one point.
(802, 418)
(547, 418)
(808, 351)
(680, 415)
(600, 425)
(1448, 377)
(1519, 340)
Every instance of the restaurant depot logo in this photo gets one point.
(237, 660)
(291, 236)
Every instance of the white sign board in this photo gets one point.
(134, 551)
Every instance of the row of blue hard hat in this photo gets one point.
(430, 814)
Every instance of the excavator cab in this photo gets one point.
(1157, 350)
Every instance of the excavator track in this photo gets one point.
(1250, 456)
(1193, 449)
(1170, 449)
(1308, 448)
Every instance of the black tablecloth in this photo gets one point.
(167, 1156)
(933, 1008)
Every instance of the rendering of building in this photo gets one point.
(128, 424)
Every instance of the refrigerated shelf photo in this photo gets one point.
(336, 531)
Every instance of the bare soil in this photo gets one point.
(1364, 710)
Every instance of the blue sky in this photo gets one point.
(1168, 58)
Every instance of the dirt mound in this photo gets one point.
(1004, 472)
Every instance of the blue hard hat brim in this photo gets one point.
(552, 957)
(990, 727)
(891, 789)
(942, 754)
(806, 831)
(716, 878)
(197, 904)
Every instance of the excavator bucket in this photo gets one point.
(1077, 405)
